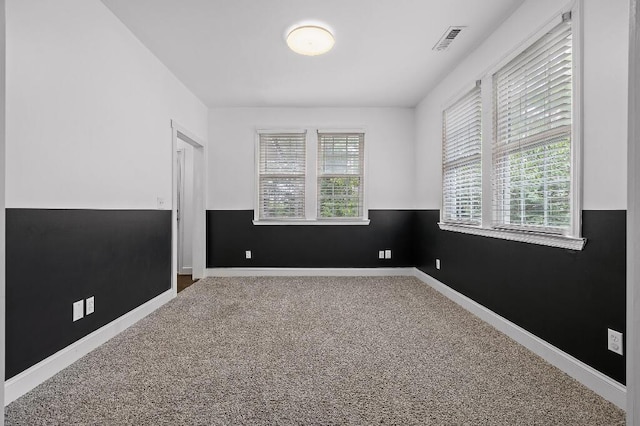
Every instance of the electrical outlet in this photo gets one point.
(381, 254)
(91, 305)
(387, 254)
(437, 263)
(78, 310)
(161, 203)
(247, 254)
(614, 341)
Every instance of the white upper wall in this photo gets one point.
(605, 73)
(389, 142)
(606, 84)
(88, 110)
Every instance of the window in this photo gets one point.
(527, 186)
(532, 146)
(461, 160)
(340, 173)
(282, 176)
(310, 176)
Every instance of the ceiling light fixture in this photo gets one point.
(310, 40)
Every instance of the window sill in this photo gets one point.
(306, 222)
(560, 241)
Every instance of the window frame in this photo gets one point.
(572, 239)
(311, 178)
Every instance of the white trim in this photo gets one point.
(256, 175)
(560, 241)
(554, 21)
(577, 183)
(180, 174)
(174, 211)
(311, 176)
(312, 222)
(345, 130)
(37, 374)
(466, 88)
(486, 148)
(198, 250)
(188, 137)
(269, 131)
(185, 270)
(633, 222)
(310, 272)
(604, 386)
(3, 230)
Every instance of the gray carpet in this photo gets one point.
(262, 351)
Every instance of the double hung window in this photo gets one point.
(340, 175)
(282, 176)
(529, 190)
(312, 177)
(533, 136)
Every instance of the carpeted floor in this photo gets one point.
(262, 351)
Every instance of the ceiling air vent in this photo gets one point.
(447, 38)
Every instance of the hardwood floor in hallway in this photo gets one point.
(185, 281)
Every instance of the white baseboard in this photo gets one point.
(185, 270)
(601, 384)
(309, 272)
(22, 383)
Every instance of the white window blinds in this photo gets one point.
(532, 146)
(462, 161)
(340, 175)
(282, 175)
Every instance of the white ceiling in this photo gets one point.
(233, 53)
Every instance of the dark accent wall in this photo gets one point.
(568, 298)
(231, 232)
(123, 259)
(57, 257)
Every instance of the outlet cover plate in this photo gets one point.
(387, 254)
(247, 254)
(437, 263)
(78, 310)
(614, 341)
(381, 254)
(91, 305)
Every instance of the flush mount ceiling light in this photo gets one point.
(310, 40)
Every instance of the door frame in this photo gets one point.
(2, 199)
(633, 221)
(181, 173)
(199, 194)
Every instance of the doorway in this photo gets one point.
(184, 214)
(188, 208)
